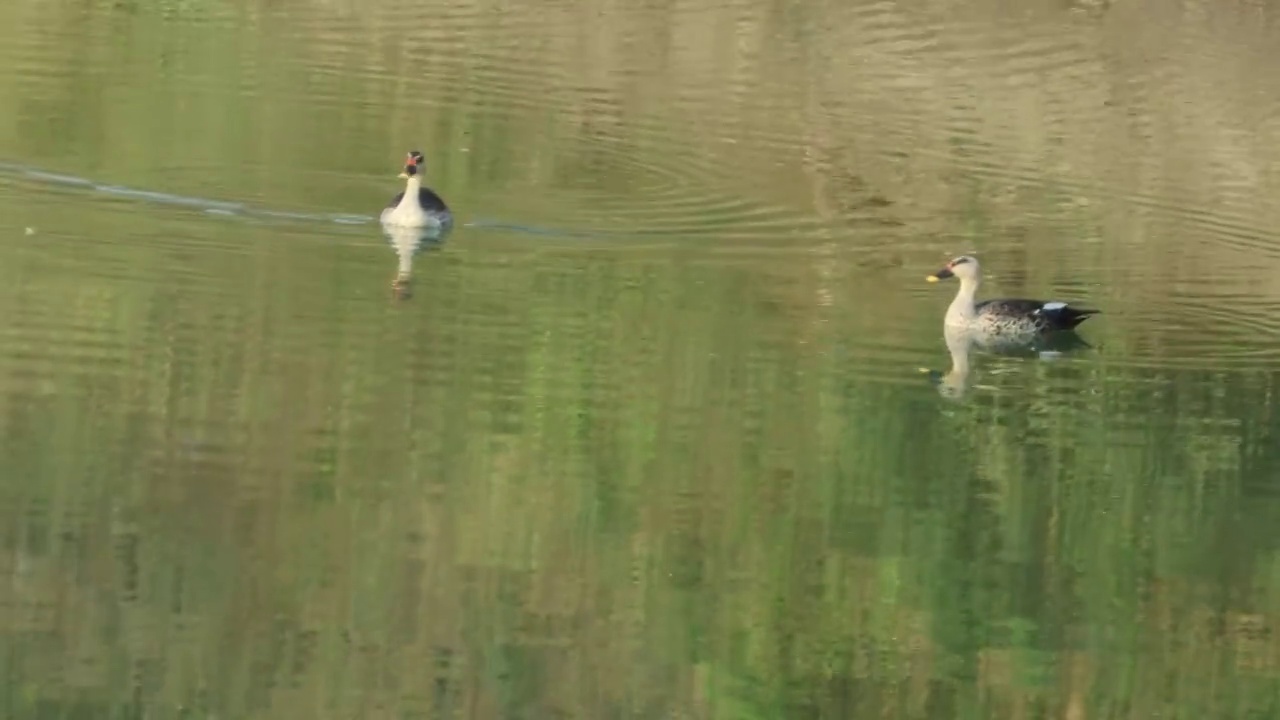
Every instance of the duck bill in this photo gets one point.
(403, 176)
(942, 274)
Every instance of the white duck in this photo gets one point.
(417, 206)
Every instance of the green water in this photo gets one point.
(648, 435)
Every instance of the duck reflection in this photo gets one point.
(408, 242)
(962, 342)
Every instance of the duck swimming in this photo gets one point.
(1011, 319)
(416, 206)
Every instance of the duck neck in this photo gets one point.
(962, 310)
(411, 188)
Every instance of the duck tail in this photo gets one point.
(1073, 316)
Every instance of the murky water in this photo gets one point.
(648, 435)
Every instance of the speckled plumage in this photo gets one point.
(1026, 317)
(1007, 319)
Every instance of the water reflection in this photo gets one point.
(407, 243)
(663, 473)
(963, 342)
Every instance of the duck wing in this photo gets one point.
(430, 201)
(1047, 315)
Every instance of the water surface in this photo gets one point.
(647, 435)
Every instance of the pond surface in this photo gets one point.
(649, 435)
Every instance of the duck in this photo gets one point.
(1009, 319)
(417, 206)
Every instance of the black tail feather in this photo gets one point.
(1073, 316)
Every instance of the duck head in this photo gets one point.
(963, 267)
(414, 163)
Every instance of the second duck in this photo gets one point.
(417, 206)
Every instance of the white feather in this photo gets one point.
(1051, 306)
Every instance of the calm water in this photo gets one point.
(648, 436)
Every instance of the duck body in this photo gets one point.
(1006, 319)
(416, 206)
(1016, 316)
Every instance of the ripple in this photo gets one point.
(38, 344)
